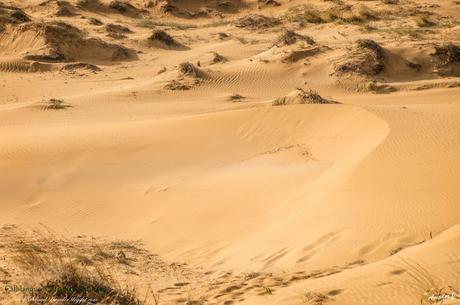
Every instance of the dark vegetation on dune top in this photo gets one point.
(189, 69)
(290, 37)
(11, 15)
(256, 22)
(301, 96)
(162, 36)
(448, 53)
(447, 58)
(366, 58)
(60, 41)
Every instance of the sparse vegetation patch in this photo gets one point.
(175, 85)
(366, 58)
(255, 22)
(55, 104)
(290, 37)
(447, 59)
(189, 69)
(162, 37)
(300, 96)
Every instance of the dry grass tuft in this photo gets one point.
(122, 6)
(447, 59)
(269, 2)
(367, 59)
(73, 283)
(189, 69)
(304, 14)
(217, 58)
(162, 36)
(88, 3)
(371, 45)
(58, 271)
(290, 37)
(301, 96)
(81, 66)
(448, 53)
(255, 22)
(380, 88)
(162, 39)
(352, 15)
(314, 298)
(11, 15)
(424, 22)
(236, 97)
(117, 28)
(175, 85)
(55, 104)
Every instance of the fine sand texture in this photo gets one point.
(230, 151)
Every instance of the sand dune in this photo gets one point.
(263, 152)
